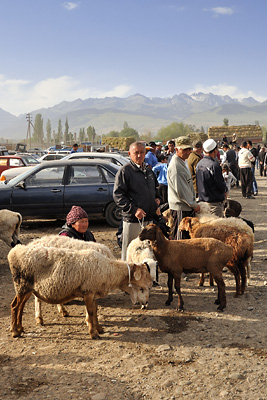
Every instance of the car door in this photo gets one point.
(42, 195)
(88, 188)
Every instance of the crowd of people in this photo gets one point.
(181, 175)
(177, 177)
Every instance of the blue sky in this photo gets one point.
(51, 50)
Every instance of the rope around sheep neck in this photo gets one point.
(129, 272)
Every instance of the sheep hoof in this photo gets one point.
(65, 314)
(220, 309)
(168, 302)
(180, 309)
(95, 336)
(15, 333)
(39, 321)
(217, 301)
(100, 329)
(200, 284)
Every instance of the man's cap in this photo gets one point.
(209, 145)
(183, 142)
(152, 144)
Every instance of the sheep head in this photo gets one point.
(151, 232)
(185, 224)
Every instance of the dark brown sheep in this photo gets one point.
(188, 256)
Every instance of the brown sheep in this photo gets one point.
(188, 256)
(233, 232)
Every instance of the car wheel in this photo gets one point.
(113, 215)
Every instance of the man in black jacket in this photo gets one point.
(135, 193)
(211, 186)
(231, 158)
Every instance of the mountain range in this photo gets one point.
(141, 113)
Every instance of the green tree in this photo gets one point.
(91, 133)
(173, 131)
(226, 122)
(58, 137)
(112, 134)
(127, 131)
(66, 131)
(82, 135)
(48, 132)
(38, 133)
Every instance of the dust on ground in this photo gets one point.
(156, 353)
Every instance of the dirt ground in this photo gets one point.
(156, 353)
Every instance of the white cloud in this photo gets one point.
(20, 96)
(223, 89)
(222, 11)
(70, 6)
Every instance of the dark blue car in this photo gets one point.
(49, 190)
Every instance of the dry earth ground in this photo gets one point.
(153, 354)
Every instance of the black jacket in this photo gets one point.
(71, 232)
(135, 189)
(210, 183)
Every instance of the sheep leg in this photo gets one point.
(243, 278)
(248, 270)
(221, 300)
(38, 311)
(92, 317)
(177, 284)
(62, 310)
(202, 280)
(100, 329)
(236, 273)
(170, 287)
(211, 280)
(17, 307)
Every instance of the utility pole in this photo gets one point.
(29, 119)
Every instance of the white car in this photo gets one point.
(52, 156)
(115, 158)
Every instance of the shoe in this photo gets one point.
(255, 193)
(244, 197)
(249, 196)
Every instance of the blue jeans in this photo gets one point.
(254, 183)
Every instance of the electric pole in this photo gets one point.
(29, 119)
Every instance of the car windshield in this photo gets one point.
(30, 160)
(22, 176)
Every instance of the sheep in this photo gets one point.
(190, 255)
(59, 275)
(141, 252)
(231, 231)
(10, 227)
(65, 243)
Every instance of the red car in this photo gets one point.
(7, 162)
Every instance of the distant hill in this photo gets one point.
(142, 113)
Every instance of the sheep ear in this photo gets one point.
(137, 273)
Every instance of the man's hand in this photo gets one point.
(140, 213)
(197, 209)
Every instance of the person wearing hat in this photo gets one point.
(211, 186)
(193, 160)
(76, 225)
(151, 158)
(181, 193)
(158, 149)
(136, 195)
(74, 148)
(246, 176)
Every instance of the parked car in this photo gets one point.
(17, 160)
(52, 156)
(115, 158)
(49, 190)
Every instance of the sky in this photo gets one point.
(53, 51)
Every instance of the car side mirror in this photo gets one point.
(21, 185)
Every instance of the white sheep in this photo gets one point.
(10, 227)
(141, 252)
(59, 275)
(64, 242)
